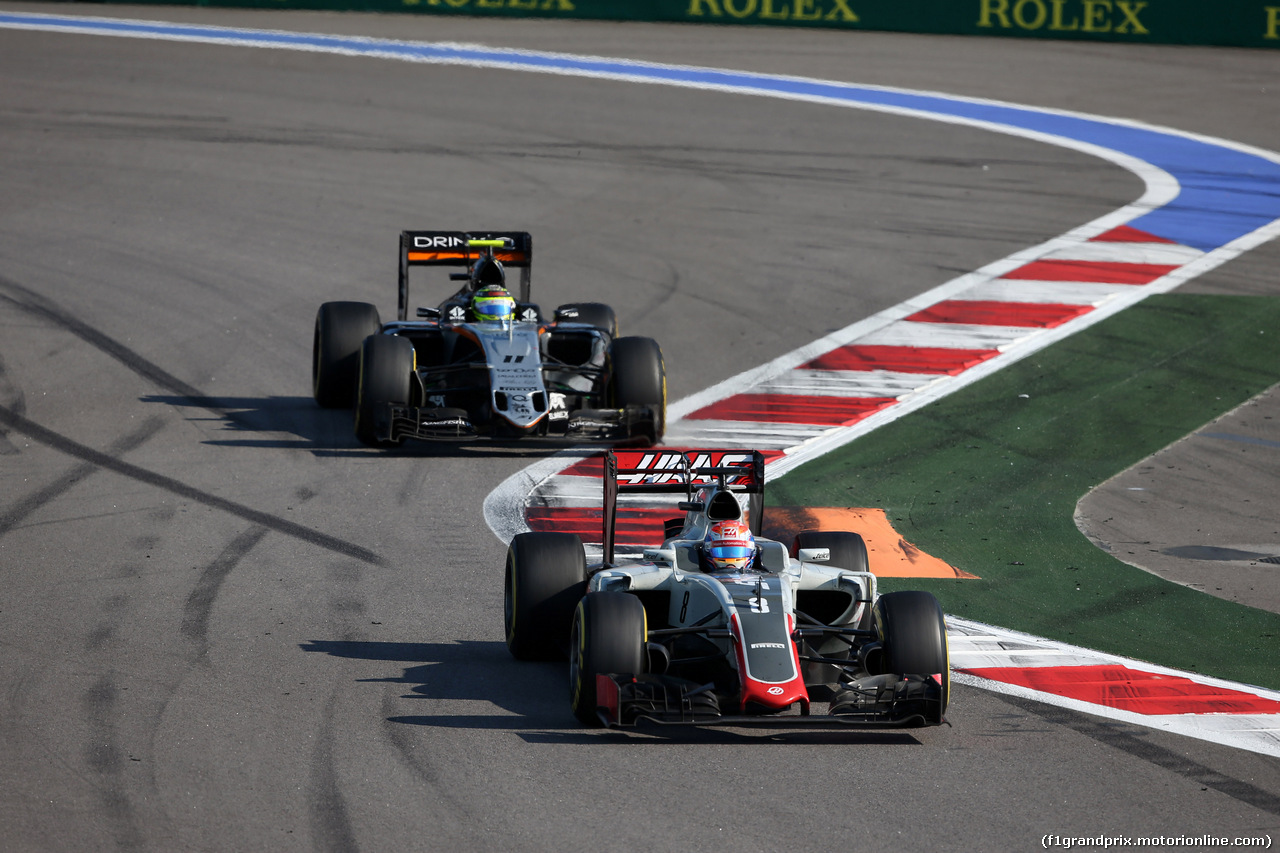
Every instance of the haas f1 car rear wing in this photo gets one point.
(665, 471)
(455, 249)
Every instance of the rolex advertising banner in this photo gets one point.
(1247, 23)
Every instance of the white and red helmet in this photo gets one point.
(729, 547)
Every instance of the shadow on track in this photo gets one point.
(535, 697)
(328, 432)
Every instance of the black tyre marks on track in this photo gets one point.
(168, 484)
(195, 613)
(37, 305)
(15, 515)
(103, 754)
(458, 815)
(34, 303)
(12, 398)
(104, 757)
(331, 829)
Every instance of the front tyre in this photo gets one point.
(638, 377)
(341, 328)
(609, 635)
(913, 633)
(386, 374)
(544, 581)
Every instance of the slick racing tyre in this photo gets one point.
(914, 636)
(638, 377)
(595, 314)
(545, 579)
(341, 328)
(848, 550)
(386, 371)
(609, 634)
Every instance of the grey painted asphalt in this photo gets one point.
(1203, 512)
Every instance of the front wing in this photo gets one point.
(394, 423)
(883, 700)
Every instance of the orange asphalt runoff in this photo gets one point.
(888, 554)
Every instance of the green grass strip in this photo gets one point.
(988, 478)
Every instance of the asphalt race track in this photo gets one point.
(225, 625)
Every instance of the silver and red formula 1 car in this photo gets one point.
(485, 363)
(697, 631)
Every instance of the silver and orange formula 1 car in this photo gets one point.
(770, 635)
(485, 362)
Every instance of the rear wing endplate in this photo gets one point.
(449, 248)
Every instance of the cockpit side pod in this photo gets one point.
(691, 610)
(575, 376)
(573, 359)
(835, 596)
(697, 600)
(840, 599)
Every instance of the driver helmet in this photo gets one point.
(729, 547)
(493, 303)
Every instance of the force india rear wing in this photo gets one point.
(662, 471)
(452, 249)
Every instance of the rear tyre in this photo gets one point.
(341, 328)
(595, 314)
(913, 634)
(386, 371)
(848, 550)
(609, 634)
(638, 377)
(545, 579)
